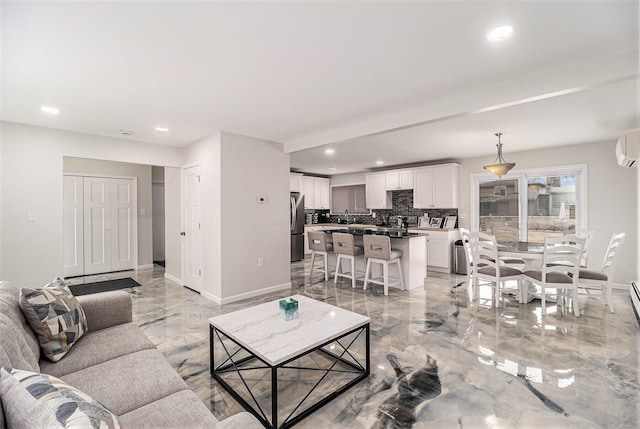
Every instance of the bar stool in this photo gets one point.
(377, 249)
(343, 247)
(319, 246)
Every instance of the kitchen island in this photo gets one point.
(414, 254)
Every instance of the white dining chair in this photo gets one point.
(603, 278)
(484, 249)
(464, 236)
(509, 235)
(560, 269)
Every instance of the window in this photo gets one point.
(539, 202)
(351, 198)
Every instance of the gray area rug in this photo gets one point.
(103, 286)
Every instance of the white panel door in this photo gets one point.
(191, 232)
(122, 222)
(72, 218)
(97, 225)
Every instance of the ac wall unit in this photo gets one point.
(627, 149)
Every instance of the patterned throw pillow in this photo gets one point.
(56, 317)
(33, 400)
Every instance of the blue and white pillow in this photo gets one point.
(55, 315)
(32, 400)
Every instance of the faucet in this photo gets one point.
(346, 216)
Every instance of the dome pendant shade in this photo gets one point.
(499, 167)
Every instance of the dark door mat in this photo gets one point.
(103, 286)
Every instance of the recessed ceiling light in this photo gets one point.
(329, 151)
(332, 169)
(50, 110)
(126, 133)
(500, 33)
(379, 162)
(162, 130)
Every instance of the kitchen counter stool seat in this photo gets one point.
(345, 249)
(319, 246)
(377, 250)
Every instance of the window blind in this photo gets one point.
(351, 197)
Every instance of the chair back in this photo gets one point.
(317, 241)
(464, 235)
(587, 235)
(484, 250)
(377, 246)
(562, 255)
(505, 234)
(612, 252)
(343, 243)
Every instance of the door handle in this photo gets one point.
(183, 233)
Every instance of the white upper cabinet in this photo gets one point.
(295, 183)
(309, 193)
(376, 189)
(399, 179)
(322, 192)
(317, 192)
(436, 187)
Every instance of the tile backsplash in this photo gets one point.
(402, 205)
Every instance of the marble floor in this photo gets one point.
(437, 360)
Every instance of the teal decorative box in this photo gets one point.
(288, 309)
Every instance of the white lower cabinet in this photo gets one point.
(439, 249)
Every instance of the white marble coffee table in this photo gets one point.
(321, 349)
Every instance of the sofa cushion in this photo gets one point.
(15, 350)
(55, 316)
(99, 346)
(16, 336)
(180, 410)
(128, 382)
(33, 400)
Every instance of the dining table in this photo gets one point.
(531, 253)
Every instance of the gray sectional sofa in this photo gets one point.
(114, 363)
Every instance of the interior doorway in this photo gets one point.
(158, 215)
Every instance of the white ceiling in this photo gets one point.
(403, 82)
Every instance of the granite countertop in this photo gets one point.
(426, 228)
(391, 234)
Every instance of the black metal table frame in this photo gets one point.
(229, 365)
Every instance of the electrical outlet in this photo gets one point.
(260, 262)
(373, 215)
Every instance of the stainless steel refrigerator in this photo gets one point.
(296, 209)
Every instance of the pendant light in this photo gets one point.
(500, 167)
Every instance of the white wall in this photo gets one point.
(88, 167)
(252, 168)
(206, 154)
(612, 199)
(348, 179)
(31, 179)
(236, 231)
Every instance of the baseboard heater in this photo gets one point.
(635, 299)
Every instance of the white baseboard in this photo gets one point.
(621, 286)
(173, 279)
(246, 295)
(145, 267)
(212, 297)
